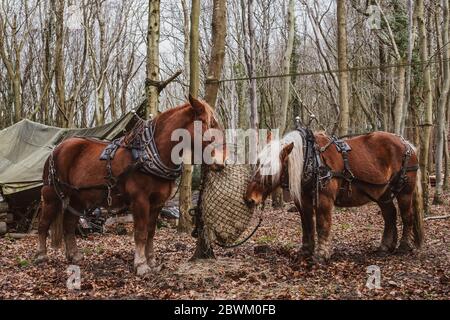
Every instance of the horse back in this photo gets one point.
(374, 157)
(77, 161)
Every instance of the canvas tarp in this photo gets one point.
(25, 146)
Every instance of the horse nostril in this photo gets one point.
(250, 203)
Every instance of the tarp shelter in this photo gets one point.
(25, 146)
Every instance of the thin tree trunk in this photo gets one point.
(219, 32)
(153, 57)
(59, 64)
(342, 65)
(285, 92)
(277, 195)
(410, 6)
(398, 107)
(441, 107)
(194, 83)
(185, 223)
(428, 103)
(250, 59)
(383, 97)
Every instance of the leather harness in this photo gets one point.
(146, 158)
(317, 173)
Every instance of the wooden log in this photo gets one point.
(3, 207)
(20, 235)
(7, 217)
(3, 228)
(437, 217)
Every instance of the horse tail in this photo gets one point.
(418, 227)
(57, 231)
(56, 227)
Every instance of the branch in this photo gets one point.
(437, 217)
(162, 84)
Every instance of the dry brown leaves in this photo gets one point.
(263, 268)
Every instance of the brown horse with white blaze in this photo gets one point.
(380, 167)
(77, 169)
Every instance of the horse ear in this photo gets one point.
(197, 105)
(269, 137)
(286, 151)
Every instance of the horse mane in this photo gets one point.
(269, 159)
(139, 126)
(130, 136)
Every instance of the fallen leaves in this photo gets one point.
(266, 267)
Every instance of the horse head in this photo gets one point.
(279, 163)
(207, 133)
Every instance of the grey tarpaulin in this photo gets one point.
(25, 146)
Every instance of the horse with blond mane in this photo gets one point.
(322, 172)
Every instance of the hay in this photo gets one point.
(225, 214)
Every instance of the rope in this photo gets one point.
(316, 72)
(225, 246)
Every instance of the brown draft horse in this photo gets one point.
(77, 163)
(375, 161)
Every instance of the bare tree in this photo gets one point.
(441, 106)
(194, 84)
(219, 32)
(342, 65)
(153, 56)
(428, 103)
(250, 59)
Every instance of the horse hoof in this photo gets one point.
(143, 270)
(404, 248)
(305, 253)
(322, 258)
(75, 259)
(383, 250)
(40, 258)
(154, 266)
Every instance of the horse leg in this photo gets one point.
(406, 211)
(149, 250)
(308, 242)
(389, 240)
(140, 207)
(323, 225)
(51, 206)
(70, 224)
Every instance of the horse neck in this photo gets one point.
(166, 123)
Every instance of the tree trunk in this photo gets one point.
(441, 107)
(153, 57)
(194, 83)
(285, 92)
(383, 101)
(398, 107)
(410, 6)
(219, 31)
(428, 103)
(250, 59)
(342, 65)
(59, 64)
(277, 195)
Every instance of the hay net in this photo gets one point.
(225, 213)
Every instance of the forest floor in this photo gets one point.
(266, 267)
